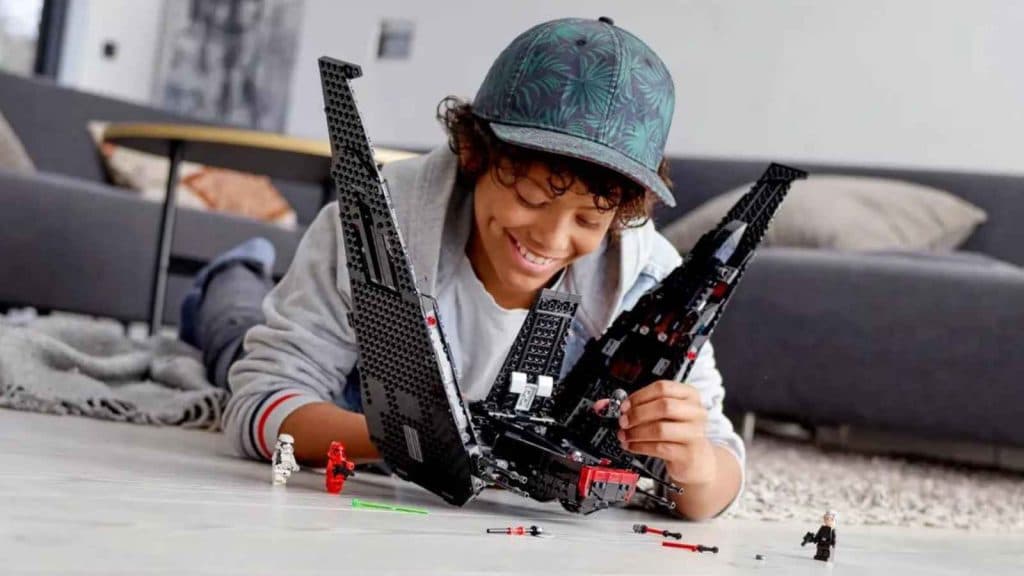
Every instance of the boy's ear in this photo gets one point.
(468, 160)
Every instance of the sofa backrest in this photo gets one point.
(1001, 196)
(51, 121)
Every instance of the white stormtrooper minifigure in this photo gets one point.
(284, 459)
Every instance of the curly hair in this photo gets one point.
(479, 151)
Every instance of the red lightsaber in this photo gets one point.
(692, 547)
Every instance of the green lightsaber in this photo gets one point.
(357, 503)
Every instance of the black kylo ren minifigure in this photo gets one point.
(825, 538)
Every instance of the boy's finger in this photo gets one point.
(600, 405)
(663, 409)
(664, 450)
(662, 388)
(663, 431)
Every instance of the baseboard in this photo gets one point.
(884, 442)
(899, 444)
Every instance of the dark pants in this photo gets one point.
(231, 304)
(824, 551)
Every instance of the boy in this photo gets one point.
(547, 181)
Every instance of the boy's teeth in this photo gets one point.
(531, 257)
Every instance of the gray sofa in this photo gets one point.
(913, 343)
(72, 242)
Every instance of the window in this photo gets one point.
(31, 33)
(19, 34)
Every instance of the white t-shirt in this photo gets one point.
(479, 331)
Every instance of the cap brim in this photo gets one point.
(575, 147)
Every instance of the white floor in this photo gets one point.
(80, 496)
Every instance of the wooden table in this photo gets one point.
(273, 155)
(82, 496)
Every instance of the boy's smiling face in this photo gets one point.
(526, 233)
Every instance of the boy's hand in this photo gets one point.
(666, 420)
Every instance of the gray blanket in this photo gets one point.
(88, 367)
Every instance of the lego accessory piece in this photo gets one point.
(339, 468)
(691, 547)
(414, 409)
(645, 529)
(367, 505)
(283, 462)
(517, 531)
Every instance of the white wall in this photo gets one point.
(910, 82)
(929, 83)
(134, 25)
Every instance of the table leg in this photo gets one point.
(326, 190)
(163, 255)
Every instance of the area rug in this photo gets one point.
(789, 480)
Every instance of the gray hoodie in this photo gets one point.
(306, 349)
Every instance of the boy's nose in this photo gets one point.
(551, 244)
(552, 237)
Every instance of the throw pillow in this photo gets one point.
(12, 154)
(239, 193)
(199, 187)
(849, 213)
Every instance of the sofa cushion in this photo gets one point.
(12, 154)
(239, 193)
(849, 213)
(927, 344)
(69, 244)
(199, 187)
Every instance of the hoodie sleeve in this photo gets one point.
(304, 350)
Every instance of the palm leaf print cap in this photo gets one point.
(586, 89)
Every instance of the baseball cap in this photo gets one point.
(585, 89)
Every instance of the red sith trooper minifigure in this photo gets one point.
(339, 468)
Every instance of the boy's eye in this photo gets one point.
(523, 200)
(588, 223)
